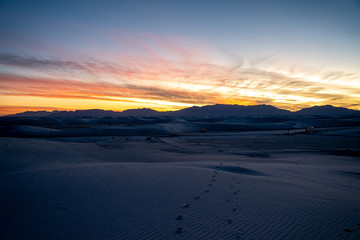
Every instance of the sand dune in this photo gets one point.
(264, 184)
(143, 201)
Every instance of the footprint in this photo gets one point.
(207, 190)
(239, 234)
(348, 230)
(229, 221)
(210, 185)
(186, 205)
(196, 198)
(179, 230)
(64, 208)
(179, 217)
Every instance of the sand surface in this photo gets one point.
(216, 185)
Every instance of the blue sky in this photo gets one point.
(297, 39)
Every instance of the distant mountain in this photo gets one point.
(218, 110)
(90, 113)
(83, 113)
(327, 110)
(31, 114)
(139, 112)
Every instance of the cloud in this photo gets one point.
(164, 70)
(64, 88)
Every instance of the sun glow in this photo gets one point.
(166, 77)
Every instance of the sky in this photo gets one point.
(169, 55)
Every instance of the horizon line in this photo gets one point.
(53, 109)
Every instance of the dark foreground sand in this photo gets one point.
(259, 185)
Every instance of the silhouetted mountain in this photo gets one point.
(90, 113)
(327, 110)
(32, 114)
(218, 110)
(83, 113)
(144, 112)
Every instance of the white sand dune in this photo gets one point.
(143, 201)
(28, 131)
(266, 185)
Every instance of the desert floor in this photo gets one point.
(213, 185)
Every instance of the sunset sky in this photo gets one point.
(168, 55)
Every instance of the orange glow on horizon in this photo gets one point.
(171, 78)
(31, 103)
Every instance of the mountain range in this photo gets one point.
(218, 110)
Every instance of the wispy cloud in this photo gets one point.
(164, 70)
